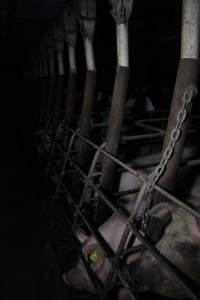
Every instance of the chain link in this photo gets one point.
(188, 95)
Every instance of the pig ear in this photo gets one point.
(64, 278)
(160, 210)
(160, 217)
(81, 235)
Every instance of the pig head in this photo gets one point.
(77, 277)
(180, 245)
(112, 231)
(179, 242)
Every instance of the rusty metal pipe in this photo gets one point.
(71, 98)
(60, 83)
(113, 136)
(188, 73)
(86, 113)
(87, 10)
(121, 15)
(89, 91)
(115, 122)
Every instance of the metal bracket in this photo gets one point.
(87, 17)
(121, 10)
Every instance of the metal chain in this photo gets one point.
(188, 95)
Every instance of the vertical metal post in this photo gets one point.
(89, 88)
(51, 93)
(188, 73)
(121, 12)
(88, 14)
(41, 86)
(44, 56)
(70, 33)
(59, 38)
(52, 76)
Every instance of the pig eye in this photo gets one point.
(95, 257)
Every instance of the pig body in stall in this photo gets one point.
(179, 243)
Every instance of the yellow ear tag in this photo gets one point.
(93, 256)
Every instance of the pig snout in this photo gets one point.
(78, 279)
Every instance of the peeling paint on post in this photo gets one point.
(121, 12)
(188, 73)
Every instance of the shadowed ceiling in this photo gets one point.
(154, 29)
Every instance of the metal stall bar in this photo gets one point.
(138, 174)
(44, 57)
(173, 271)
(121, 12)
(69, 18)
(144, 124)
(150, 127)
(59, 38)
(41, 85)
(180, 203)
(87, 22)
(116, 160)
(105, 247)
(50, 42)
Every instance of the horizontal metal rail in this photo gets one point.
(139, 175)
(149, 127)
(161, 190)
(155, 120)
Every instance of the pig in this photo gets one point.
(179, 243)
(112, 231)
